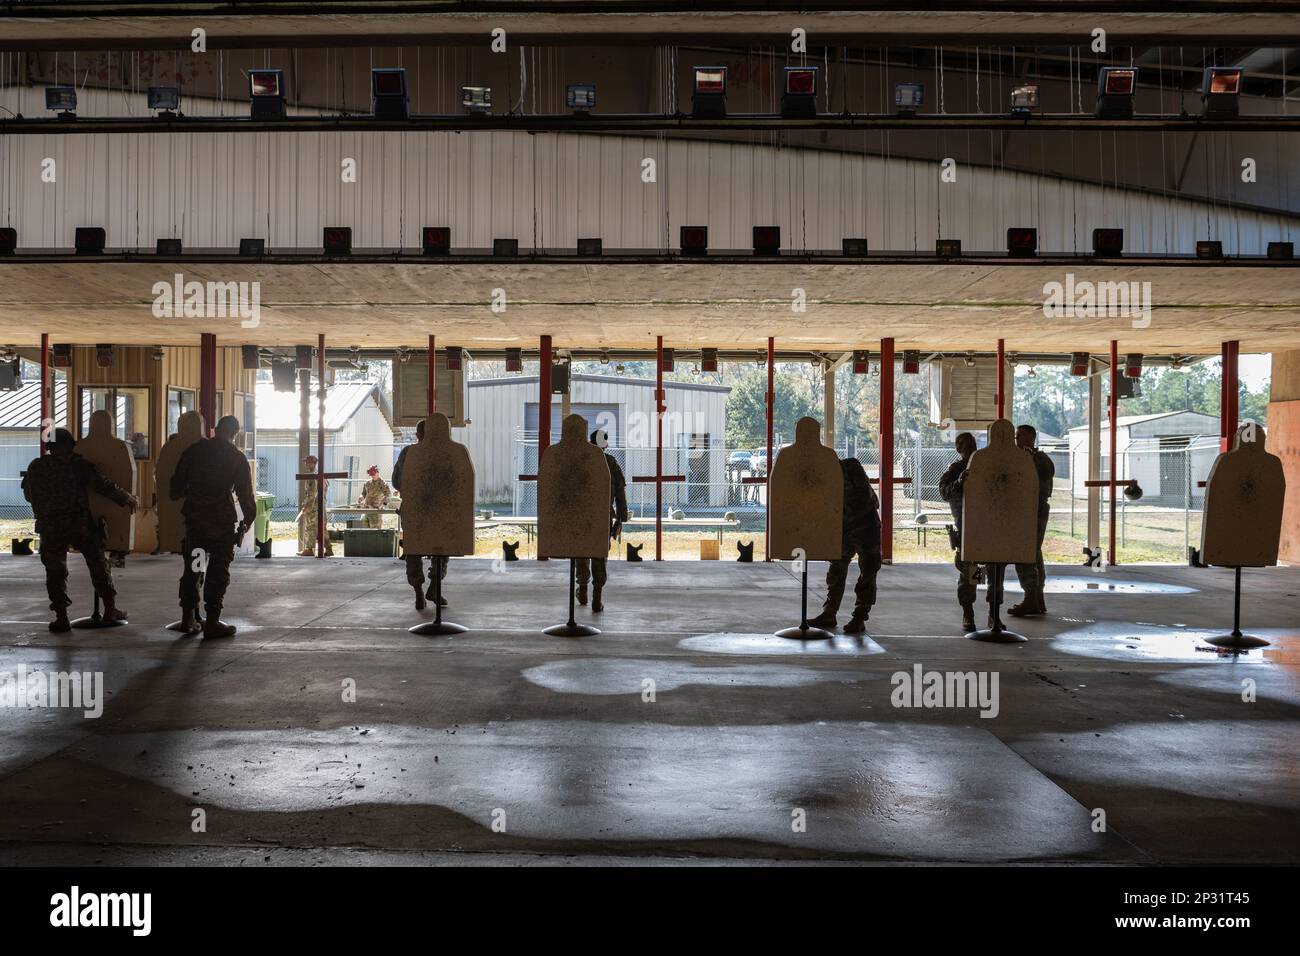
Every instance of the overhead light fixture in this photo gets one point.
(252, 248)
(337, 240)
(861, 362)
(1108, 242)
(970, 359)
(668, 363)
(1209, 249)
(158, 354)
(767, 240)
(455, 358)
(514, 360)
(168, 247)
(1116, 86)
(908, 97)
(800, 96)
(1078, 363)
(89, 240)
(1133, 365)
(580, 97)
(61, 356)
(505, 248)
(163, 98)
(589, 247)
(302, 356)
(435, 240)
(1276, 250)
(604, 356)
(856, 248)
(1024, 99)
(266, 94)
(911, 361)
(104, 355)
(476, 99)
(1022, 241)
(1220, 88)
(709, 99)
(250, 357)
(388, 98)
(695, 240)
(62, 100)
(708, 360)
(947, 248)
(8, 240)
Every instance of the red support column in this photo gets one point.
(208, 382)
(47, 400)
(1113, 414)
(660, 408)
(320, 447)
(433, 377)
(887, 451)
(770, 399)
(1002, 379)
(1228, 394)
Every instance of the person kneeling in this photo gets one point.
(861, 537)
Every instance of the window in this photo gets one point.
(179, 401)
(127, 405)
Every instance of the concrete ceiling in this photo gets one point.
(939, 306)
(141, 26)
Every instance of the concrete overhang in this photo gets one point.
(381, 303)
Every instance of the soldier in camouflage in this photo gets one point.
(56, 485)
(861, 537)
(209, 472)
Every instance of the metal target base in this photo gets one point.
(999, 636)
(804, 633)
(572, 629)
(1239, 642)
(437, 627)
(178, 626)
(93, 622)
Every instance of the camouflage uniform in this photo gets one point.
(595, 569)
(861, 537)
(950, 489)
(415, 562)
(307, 519)
(208, 472)
(57, 486)
(374, 494)
(1033, 577)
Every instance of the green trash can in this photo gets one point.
(262, 524)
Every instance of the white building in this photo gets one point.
(502, 434)
(1167, 452)
(358, 434)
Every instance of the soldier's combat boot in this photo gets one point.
(995, 623)
(582, 594)
(968, 617)
(596, 605)
(190, 622)
(214, 626)
(113, 613)
(1023, 609)
(826, 619)
(432, 593)
(856, 625)
(60, 622)
(419, 598)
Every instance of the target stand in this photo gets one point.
(437, 625)
(998, 634)
(95, 620)
(572, 628)
(1236, 641)
(804, 632)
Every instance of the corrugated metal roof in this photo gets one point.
(22, 408)
(1126, 420)
(280, 410)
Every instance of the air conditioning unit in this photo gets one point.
(411, 390)
(965, 397)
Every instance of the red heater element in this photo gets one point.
(337, 240)
(1078, 363)
(708, 360)
(668, 360)
(861, 363)
(514, 360)
(455, 358)
(61, 356)
(436, 240)
(104, 356)
(1108, 242)
(1022, 241)
(89, 240)
(1133, 365)
(695, 240)
(911, 361)
(767, 240)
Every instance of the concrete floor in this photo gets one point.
(1114, 704)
